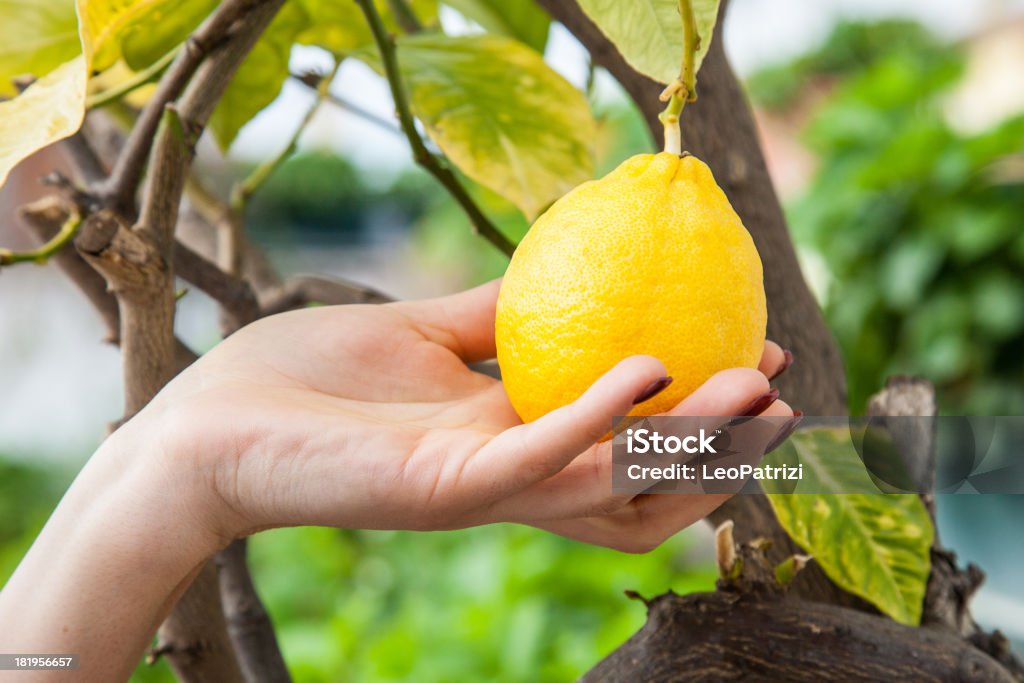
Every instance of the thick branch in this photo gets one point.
(421, 154)
(141, 278)
(728, 636)
(125, 176)
(247, 620)
(137, 265)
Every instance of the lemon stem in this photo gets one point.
(684, 88)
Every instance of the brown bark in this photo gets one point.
(137, 264)
(680, 640)
(735, 637)
(248, 622)
(198, 616)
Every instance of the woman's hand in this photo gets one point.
(368, 417)
(355, 416)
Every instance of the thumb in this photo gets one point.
(524, 455)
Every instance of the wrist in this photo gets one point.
(149, 473)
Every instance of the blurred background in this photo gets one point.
(894, 131)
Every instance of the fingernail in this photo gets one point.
(785, 431)
(652, 390)
(760, 404)
(787, 360)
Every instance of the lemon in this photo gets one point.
(651, 259)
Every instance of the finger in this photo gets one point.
(462, 322)
(650, 519)
(729, 392)
(584, 487)
(773, 360)
(524, 455)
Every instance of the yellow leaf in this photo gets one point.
(36, 36)
(49, 110)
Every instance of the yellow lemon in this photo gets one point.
(651, 259)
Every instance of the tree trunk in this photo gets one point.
(817, 631)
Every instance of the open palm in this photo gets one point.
(369, 417)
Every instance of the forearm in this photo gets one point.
(125, 541)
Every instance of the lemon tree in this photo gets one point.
(501, 132)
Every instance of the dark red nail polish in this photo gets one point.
(787, 360)
(760, 404)
(652, 390)
(785, 431)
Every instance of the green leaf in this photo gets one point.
(340, 27)
(36, 36)
(49, 110)
(159, 28)
(649, 33)
(102, 23)
(874, 545)
(499, 113)
(260, 77)
(523, 20)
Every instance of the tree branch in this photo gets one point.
(303, 290)
(144, 77)
(247, 620)
(312, 80)
(231, 241)
(737, 636)
(44, 217)
(53, 245)
(444, 175)
(141, 277)
(235, 295)
(124, 178)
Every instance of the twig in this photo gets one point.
(234, 294)
(243, 191)
(231, 225)
(44, 217)
(83, 157)
(147, 75)
(683, 89)
(312, 80)
(208, 210)
(421, 154)
(406, 18)
(124, 178)
(43, 253)
(303, 290)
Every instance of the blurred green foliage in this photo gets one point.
(318, 196)
(848, 50)
(920, 225)
(28, 493)
(496, 603)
